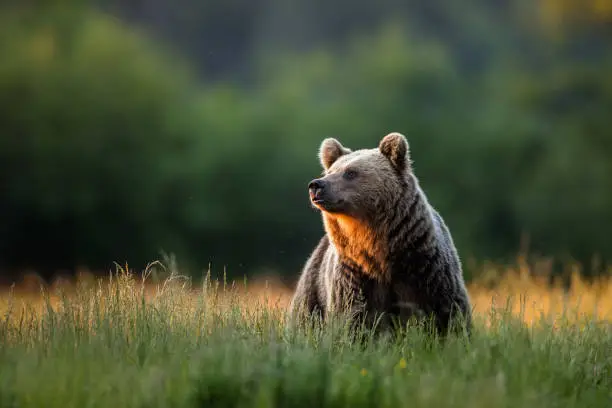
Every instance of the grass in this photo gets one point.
(127, 342)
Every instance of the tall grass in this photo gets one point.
(132, 341)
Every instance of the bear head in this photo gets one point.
(361, 184)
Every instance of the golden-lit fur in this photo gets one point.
(363, 239)
(386, 249)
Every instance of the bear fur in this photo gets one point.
(387, 254)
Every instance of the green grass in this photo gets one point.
(106, 346)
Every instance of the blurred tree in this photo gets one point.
(110, 151)
(97, 141)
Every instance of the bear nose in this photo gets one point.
(316, 184)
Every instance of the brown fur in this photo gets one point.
(386, 250)
(358, 242)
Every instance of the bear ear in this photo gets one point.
(394, 147)
(330, 151)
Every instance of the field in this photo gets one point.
(138, 341)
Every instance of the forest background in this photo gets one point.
(132, 129)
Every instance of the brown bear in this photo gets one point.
(387, 254)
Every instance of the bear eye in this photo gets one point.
(350, 174)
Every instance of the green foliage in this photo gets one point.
(97, 143)
(109, 346)
(111, 150)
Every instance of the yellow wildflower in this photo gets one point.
(402, 363)
(364, 372)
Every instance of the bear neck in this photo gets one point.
(379, 248)
(359, 246)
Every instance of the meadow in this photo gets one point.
(157, 339)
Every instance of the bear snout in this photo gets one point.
(316, 188)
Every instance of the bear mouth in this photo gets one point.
(325, 205)
(316, 197)
(318, 202)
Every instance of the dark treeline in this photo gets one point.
(128, 128)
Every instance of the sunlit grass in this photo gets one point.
(138, 341)
(526, 291)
